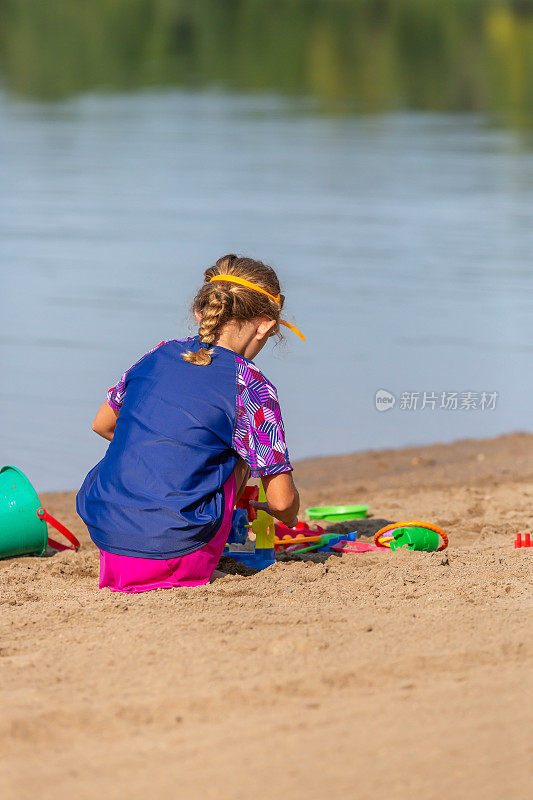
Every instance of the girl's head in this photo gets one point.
(222, 305)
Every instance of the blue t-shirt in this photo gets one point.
(158, 491)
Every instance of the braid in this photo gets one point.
(211, 316)
(214, 315)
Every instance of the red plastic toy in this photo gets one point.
(250, 493)
(526, 543)
(300, 527)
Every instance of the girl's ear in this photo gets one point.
(264, 327)
(197, 315)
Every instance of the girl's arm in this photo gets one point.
(105, 421)
(283, 500)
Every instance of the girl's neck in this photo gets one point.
(246, 339)
(242, 345)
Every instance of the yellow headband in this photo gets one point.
(244, 282)
(256, 288)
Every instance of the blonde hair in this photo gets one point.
(221, 301)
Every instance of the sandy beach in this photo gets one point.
(370, 676)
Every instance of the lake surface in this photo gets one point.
(403, 242)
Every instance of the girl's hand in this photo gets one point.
(265, 507)
(292, 524)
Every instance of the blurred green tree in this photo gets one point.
(346, 55)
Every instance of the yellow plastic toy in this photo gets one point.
(263, 525)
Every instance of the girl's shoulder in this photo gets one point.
(161, 345)
(249, 375)
(183, 341)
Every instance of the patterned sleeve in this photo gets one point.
(259, 435)
(115, 395)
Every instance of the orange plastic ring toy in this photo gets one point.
(412, 524)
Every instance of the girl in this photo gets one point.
(188, 424)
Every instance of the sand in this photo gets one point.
(368, 676)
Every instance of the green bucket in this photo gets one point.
(415, 539)
(22, 531)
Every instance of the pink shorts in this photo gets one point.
(130, 574)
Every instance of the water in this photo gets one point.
(403, 242)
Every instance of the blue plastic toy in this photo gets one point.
(239, 527)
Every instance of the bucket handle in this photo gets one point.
(42, 513)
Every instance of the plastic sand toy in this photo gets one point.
(298, 539)
(23, 529)
(239, 527)
(357, 547)
(301, 534)
(263, 555)
(249, 493)
(337, 513)
(300, 527)
(327, 542)
(525, 542)
(413, 535)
